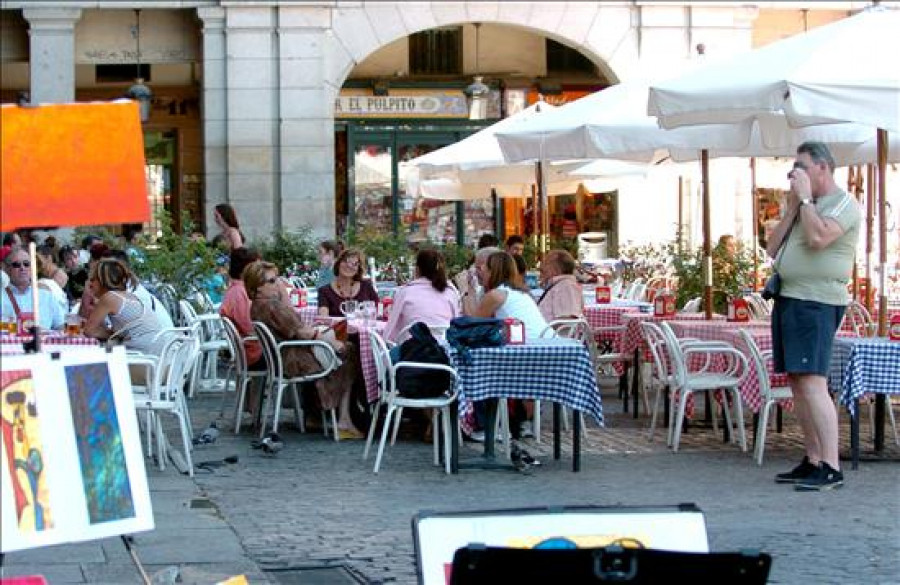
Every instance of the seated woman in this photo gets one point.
(236, 304)
(506, 296)
(46, 279)
(130, 320)
(429, 298)
(271, 306)
(348, 284)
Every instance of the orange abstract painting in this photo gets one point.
(72, 164)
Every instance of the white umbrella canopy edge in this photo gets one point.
(841, 72)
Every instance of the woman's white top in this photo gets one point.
(58, 293)
(521, 306)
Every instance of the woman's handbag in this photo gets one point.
(773, 287)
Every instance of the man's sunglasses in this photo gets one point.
(25, 264)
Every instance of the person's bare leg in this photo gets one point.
(822, 416)
(801, 410)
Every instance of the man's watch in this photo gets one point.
(806, 201)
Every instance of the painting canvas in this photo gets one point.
(104, 473)
(23, 450)
(71, 466)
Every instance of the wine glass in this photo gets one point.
(368, 312)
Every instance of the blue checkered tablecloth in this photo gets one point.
(863, 365)
(554, 370)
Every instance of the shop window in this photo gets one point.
(121, 73)
(437, 51)
(563, 59)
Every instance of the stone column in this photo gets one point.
(252, 112)
(52, 58)
(306, 126)
(214, 109)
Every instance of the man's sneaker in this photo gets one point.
(802, 471)
(825, 477)
(526, 430)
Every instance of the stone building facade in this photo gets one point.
(245, 91)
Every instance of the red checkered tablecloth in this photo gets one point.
(310, 316)
(633, 338)
(13, 343)
(726, 331)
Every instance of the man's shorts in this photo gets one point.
(802, 335)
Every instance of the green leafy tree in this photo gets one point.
(287, 249)
(732, 273)
(178, 259)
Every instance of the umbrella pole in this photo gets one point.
(853, 178)
(679, 235)
(755, 203)
(707, 236)
(882, 231)
(870, 231)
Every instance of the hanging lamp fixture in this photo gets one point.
(477, 92)
(140, 92)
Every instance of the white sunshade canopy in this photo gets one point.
(847, 71)
(613, 123)
(470, 168)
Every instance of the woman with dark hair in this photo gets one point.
(327, 252)
(227, 220)
(506, 296)
(348, 284)
(270, 306)
(429, 298)
(236, 303)
(110, 284)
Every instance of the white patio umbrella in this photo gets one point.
(613, 123)
(843, 72)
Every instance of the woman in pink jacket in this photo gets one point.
(429, 298)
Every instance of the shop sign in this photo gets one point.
(431, 104)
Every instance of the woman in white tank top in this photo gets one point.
(136, 324)
(506, 295)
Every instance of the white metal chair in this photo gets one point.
(389, 395)
(167, 375)
(858, 320)
(277, 381)
(580, 330)
(693, 305)
(760, 308)
(243, 376)
(212, 341)
(769, 395)
(169, 298)
(686, 381)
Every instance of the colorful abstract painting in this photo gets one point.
(24, 452)
(104, 472)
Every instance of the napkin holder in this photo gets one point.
(664, 305)
(738, 310)
(603, 294)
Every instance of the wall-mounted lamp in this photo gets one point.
(140, 92)
(380, 88)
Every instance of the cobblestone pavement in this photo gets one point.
(317, 502)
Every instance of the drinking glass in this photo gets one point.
(349, 308)
(368, 312)
(73, 324)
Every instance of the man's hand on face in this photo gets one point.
(800, 187)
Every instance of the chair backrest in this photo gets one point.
(270, 350)
(677, 367)
(659, 351)
(570, 328)
(236, 344)
(187, 312)
(759, 364)
(439, 332)
(382, 357)
(169, 298)
(638, 291)
(210, 323)
(176, 360)
(693, 305)
(759, 308)
(857, 320)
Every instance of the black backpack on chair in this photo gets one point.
(421, 383)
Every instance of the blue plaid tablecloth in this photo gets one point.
(863, 365)
(553, 370)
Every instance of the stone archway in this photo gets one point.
(604, 33)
